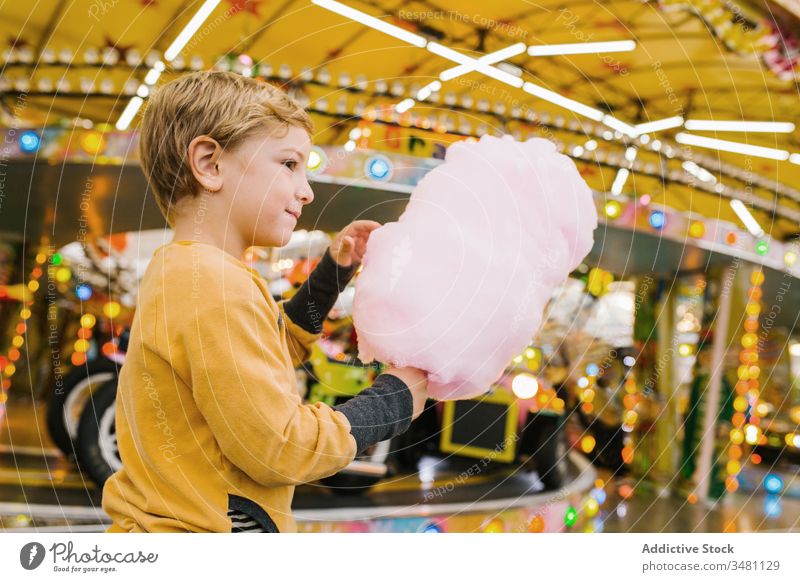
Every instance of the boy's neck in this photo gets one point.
(199, 227)
(227, 245)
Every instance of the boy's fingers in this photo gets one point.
(365, 226)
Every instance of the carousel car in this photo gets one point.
(519, 420)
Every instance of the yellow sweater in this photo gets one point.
(207, 415)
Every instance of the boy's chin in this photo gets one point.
(275, 240)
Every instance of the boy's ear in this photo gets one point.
(203, 155)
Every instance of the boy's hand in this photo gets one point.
(417, 382)
(349, 246)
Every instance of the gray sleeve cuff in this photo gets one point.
(380, 412)
(315, 298)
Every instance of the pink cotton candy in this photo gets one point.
(458, 285)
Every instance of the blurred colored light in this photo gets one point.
(29, 141)
(599, 494)
(751, 325)
(536, 524)
(495, 526)
(592, 369)
(93, 142)
(88, 320)
(613, 209)
(627, 455)
(772, 506)
(757, 278)
(773, 483)
(731, 238)
(657, 219)
(63, 275)
(570, 517)
(697, 229)
(111, 309)
(588, 443)
(84, 292)
(752, 434)
(762, 247)
(316, 160)
(55, 259)
(524, 386)
(379, 168)
(625, 491)
(789, 258)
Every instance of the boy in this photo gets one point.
(211, 431)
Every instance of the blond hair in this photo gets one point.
(224, 106)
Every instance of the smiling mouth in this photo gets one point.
(295, 214)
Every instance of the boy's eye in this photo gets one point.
(291, 164)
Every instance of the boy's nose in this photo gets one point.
(306, 194)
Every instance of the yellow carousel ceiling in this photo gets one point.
(81, 62)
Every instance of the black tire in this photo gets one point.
(353, 484)
(348, 485)
(421, 438)
(68, 400)
(545, 441)
(97, 450)
(610, 441)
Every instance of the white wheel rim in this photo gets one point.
(76, 401)
(107, 439)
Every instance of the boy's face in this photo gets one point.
(265, 178)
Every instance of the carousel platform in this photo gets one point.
(42, 490)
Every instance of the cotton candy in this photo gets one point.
(458, 285)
